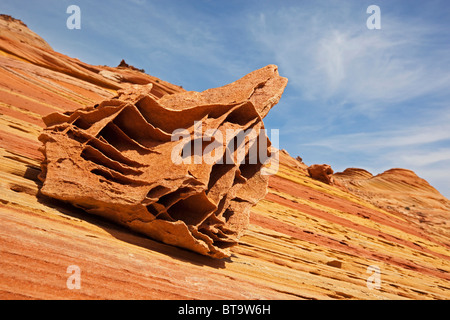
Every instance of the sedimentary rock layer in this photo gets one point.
(400, 191)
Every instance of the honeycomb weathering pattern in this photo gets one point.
(114, 160)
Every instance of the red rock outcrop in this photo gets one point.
(123, 64)
(116, 159)
(321, 172)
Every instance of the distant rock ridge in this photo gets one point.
(16, 29)
(353, 173)
(9, 18)
(17, 40)
(401, 191)
(123, 64)
(395, 179)
(395, 190)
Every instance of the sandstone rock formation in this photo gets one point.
(321, 172)
(16, 29)
(400, 191)
(116, 159)
(296, 233)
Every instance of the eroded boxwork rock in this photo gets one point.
(127, 159)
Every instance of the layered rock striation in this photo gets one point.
(400, 191)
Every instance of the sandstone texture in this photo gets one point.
(305, 240)
(116, 159)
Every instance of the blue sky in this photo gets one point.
(374, 99)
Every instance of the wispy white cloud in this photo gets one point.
(417, 136)
(423, 159)
(334, 58)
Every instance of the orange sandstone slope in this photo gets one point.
(402, 192)
(306, 240)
